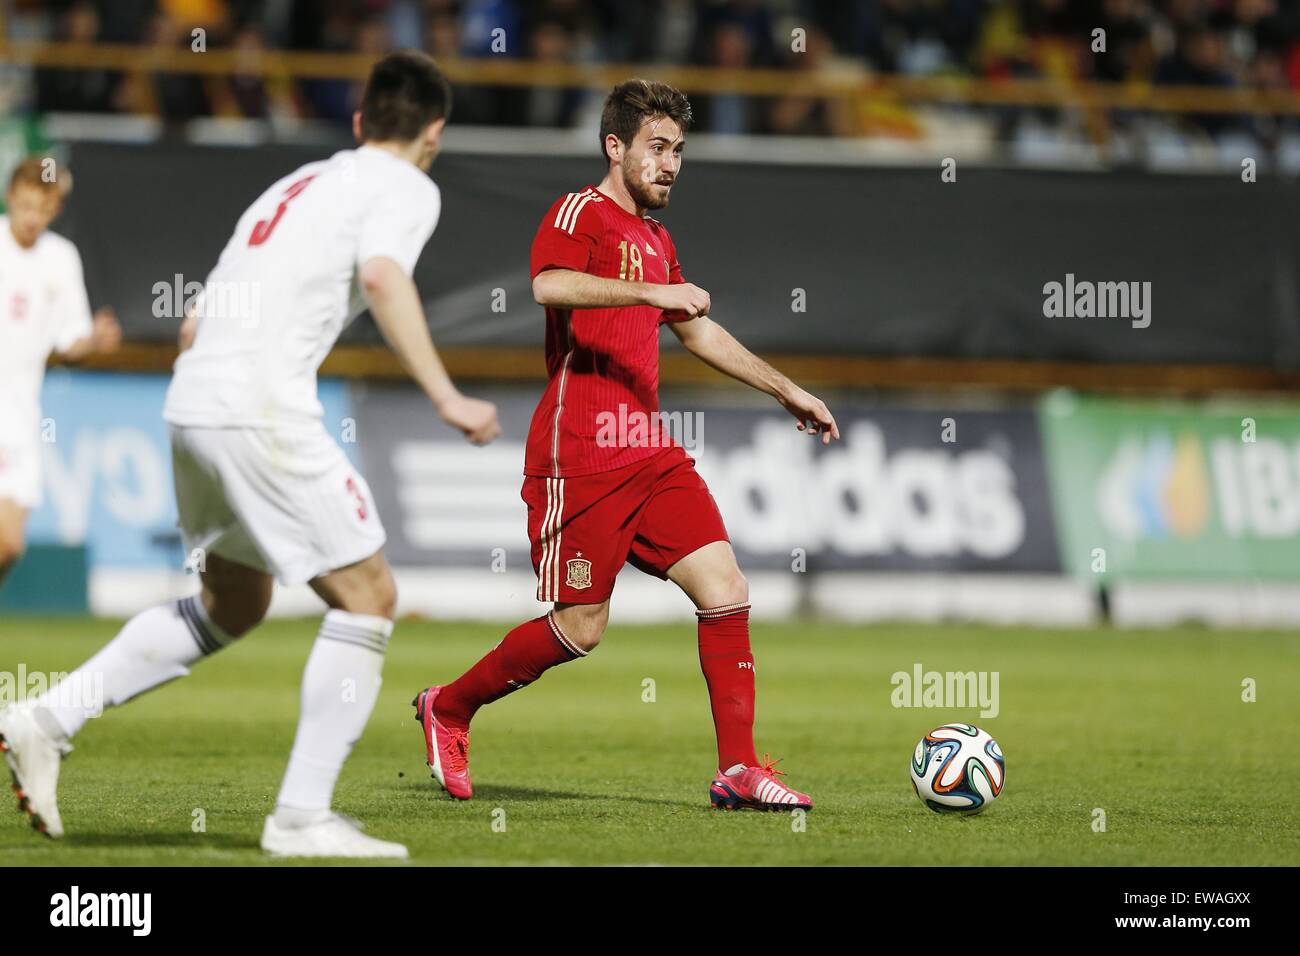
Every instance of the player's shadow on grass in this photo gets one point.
(484, 793)
(191, 841)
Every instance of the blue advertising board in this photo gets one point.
(106, 469)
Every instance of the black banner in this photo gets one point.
(810, 259)
(129, 907)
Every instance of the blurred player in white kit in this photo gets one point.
(262, 489)
(44, 310)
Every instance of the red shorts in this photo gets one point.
(650, 514)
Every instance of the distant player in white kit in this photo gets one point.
(262, 489)
(43, 309)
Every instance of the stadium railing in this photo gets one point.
(1063, 92)
(834, 371)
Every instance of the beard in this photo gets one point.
(641, 191)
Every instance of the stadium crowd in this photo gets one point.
(1220, 43)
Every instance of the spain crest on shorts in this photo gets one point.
(579, 573)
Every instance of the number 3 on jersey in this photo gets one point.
(264, 227)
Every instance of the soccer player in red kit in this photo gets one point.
(608, 276)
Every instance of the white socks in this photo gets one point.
(339, 688)
(155, 646)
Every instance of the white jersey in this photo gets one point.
(286, 286)
(43, 309)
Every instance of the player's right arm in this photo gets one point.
(395, 304)
(569, 289)
(561, 255)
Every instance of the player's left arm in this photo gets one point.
(188, 331)
(105, 336)
(79, 334)
(715, 346)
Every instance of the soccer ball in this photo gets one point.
(958, 768)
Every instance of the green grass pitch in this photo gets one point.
(1148, 726)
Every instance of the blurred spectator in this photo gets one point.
(807, 115)
(176, 97)
(749, 26)
(470, 105)
(491, 28)
(208, 14)
(907, 37)
(336, 99)
(1128, 52)
(125, 21)
(1197, 61)
(551, 41)
(78, 91)
(247, 90)
(732, 48)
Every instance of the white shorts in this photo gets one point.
(20, 474)
(284, 501)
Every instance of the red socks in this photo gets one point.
(522, 656)
(538, 645)
(728, 669)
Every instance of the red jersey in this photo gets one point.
(600, 410)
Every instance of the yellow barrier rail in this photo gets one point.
(819, 371)
(703, 80)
